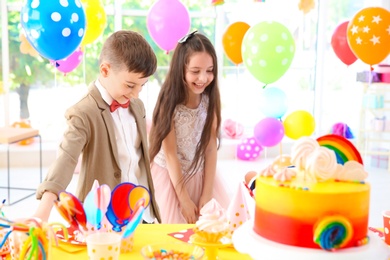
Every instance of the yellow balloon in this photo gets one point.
(299, 123)
(368, 34)
(96, 20)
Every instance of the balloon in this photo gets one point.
(267, 51)
(54, 28)
(368, 34)
(340, 44)
(273, 102)
(167, 21)
(249, 149)
(299, 123)
(232, 41)
(96, 20)
(118, 212)
(269, 132)
(70, 63)
(71, 209)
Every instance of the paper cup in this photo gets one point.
(103, 245)
(386, 226)
(16, 241)
(127, 244)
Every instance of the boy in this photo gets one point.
(108, 127)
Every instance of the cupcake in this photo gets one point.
(212, 224)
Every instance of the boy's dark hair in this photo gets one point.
(130, 49)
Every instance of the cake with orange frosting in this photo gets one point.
(316, 197)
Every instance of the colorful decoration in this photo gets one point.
(54, 28)
(269, 132)
(126, 198)
(96, 203)
(217, 2)
(69, 63)
(368, 34)
(168, 21)
(298, 124)
(306, 5)
(71, 209)
(340, 44)
(25, 46)
(273, 102)
(96, 20)
(238, 211)
(232, 41)
(343, 130)
(232, 129)
(249, 149)
(343, 148)
(268, 49)
(333, 232)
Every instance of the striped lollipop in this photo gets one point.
(343, 148)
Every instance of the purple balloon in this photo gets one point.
(167, 22)
(269, 132)
(69, 63)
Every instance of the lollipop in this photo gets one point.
(333, 232)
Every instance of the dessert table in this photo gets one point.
(145, 234)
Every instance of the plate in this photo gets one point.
(245, 240)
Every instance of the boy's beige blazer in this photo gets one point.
(91, 132)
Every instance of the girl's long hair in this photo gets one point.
(174, 92)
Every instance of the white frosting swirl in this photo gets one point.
(301, 150)
(212, 218)
(285, 175)
(322, 164)
(351, 171)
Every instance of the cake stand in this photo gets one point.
(246, 241)
(211, 249)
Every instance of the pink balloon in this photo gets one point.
(69, 63)
(269, 132)
(249, 149)
(167, 22)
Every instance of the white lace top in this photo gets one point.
(189, 124)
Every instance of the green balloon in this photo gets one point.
(267, 51)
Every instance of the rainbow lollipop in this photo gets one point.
(333, 232)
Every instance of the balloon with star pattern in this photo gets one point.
(369, 34)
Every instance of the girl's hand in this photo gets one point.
(189, 211)
(203, 200)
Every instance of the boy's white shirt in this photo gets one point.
(128, 145)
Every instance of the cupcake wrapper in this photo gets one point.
(210, 237)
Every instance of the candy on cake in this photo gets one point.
(212, 224)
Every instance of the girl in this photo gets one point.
(184, 137)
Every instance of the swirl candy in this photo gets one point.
(301, 150)
(333, 232)
(322, 164)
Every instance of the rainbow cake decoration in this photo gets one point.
(343, 148)
(315, 197)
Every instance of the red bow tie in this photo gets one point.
(114, 105)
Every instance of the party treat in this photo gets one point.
(316, 198)
(212, 224)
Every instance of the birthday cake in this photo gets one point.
(316, 197)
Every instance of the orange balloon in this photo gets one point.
(368, 34)
(232, 40)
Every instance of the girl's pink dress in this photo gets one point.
(188, 126)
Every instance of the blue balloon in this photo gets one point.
(55, 28)
(273, 102)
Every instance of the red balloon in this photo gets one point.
(340, 44)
